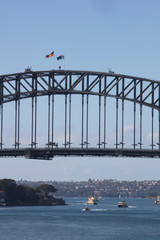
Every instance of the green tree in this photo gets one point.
(26, 195)
(18, 195)
(45, 189)
(9, 187)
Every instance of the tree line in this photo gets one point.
(20, 195)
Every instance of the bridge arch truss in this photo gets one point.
(141, 92)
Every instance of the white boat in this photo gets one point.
(158, 200)
(85, 209)
(92, 200)
(122, 204)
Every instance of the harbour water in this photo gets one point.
(105, 221)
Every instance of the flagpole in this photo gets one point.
(53, 62)
(50, 55)
(64, 60)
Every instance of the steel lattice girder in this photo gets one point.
(30, 84)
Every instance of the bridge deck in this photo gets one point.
(49, 153)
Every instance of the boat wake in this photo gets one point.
(99, 210)
(95, 210)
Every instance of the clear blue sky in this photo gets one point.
(123, 35)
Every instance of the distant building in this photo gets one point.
(2, 198)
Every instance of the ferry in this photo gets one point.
(122, 204)
(158, 200)
(92, 200)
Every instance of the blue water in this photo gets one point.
(141, 220)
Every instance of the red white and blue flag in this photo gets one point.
(60, 57)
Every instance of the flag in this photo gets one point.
(60, 57)
(50, 55)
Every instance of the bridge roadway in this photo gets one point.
(50, 153)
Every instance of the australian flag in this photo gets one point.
(60, 57)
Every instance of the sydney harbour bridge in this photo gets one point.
(44, 114)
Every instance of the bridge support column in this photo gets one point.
(122, 143)
(87, 112)
(70, 110)
(117, 114)
(34, 122)
(87, 102)
(117, 123)
(104, 139)
(134, 116)
(99, 122)
(122, 124)
(35, 127)
(70, 120)
(152, 143)
(65, 130)
(1, 144)
(52, 120)
(141, 90)
(17, 123)
(82, 130)
(134, 128)
(15, 128)
(49, 113)
(140, 143)
(159, 127)
(32, 106)
(104, 122)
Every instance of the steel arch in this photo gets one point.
(38, 83)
